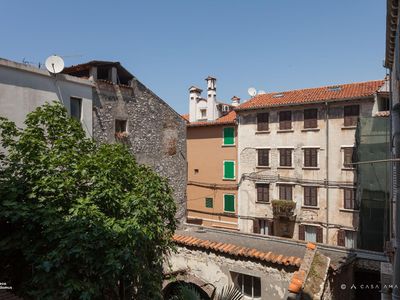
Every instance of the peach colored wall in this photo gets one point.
(206, 153)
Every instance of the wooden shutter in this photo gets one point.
(302, 233)
(263, 157)
(262, 122)
(319, 235)
(307, 161)
(285, 157)
(229, 170)
(349, 198)
(348, 157)
(256, 226)
(285, 120)
(270, 227)
(341, 237)
(307, 197)
(229, 136)
(311, 118)
(313, 157)
(351, 114)
(314, 196)
(229, 203)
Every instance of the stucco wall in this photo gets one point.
(206, 154)
(218, 269)
(157, 134)
(24, 88)
(331, 211)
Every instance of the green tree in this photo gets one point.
(78, 220)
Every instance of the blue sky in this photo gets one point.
(170, 45)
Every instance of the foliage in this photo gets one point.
(229, 292)
(188, 292)
(78, 220)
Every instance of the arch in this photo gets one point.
(171, 286)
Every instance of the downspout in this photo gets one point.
(327, 169)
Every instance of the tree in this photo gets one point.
(79, 220)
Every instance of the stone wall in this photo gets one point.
(219, 270)
(156, 133)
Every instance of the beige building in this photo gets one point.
(295, 160)
(211, 155)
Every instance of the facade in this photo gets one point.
(392, 62)
(23, 88)
(126, 111)
(295, 159)
(212, 165)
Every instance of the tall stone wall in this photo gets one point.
(156, 133)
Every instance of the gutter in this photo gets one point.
(327, 169)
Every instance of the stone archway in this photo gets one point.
(171, 286)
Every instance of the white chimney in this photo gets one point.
(212, 113)
(194, 95)
(235, 101)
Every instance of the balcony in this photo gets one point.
(283, 208)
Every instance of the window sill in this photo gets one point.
(286, 168)
(263, 202)
(285, 130)
(310, 168)
(229, 179)
(310, 129)
(309, 207)
(348, 169)
(229, 213)
(232, 145)
(263, 167)
(349, 127)
(349, 210)
(263, 132)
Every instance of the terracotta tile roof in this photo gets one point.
(314, 95)
(229, 118)
(238, 251)
(186, 117)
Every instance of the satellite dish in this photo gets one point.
(54, 64)
(261, 92)
(252, 91)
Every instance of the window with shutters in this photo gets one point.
(311, 118)
(263, 122)
(209, 202)
(285, 192)
(263, 157)
(311, 157)
(262, 192)
(285, 120)
(229, 169)
(229, 203)
(349, 199)
(351, 114)
(263, 226)
(310, 233)
(348, 157)
(229, 136)
(347, 238)
(310, 196)
(285, 157)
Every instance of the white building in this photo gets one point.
(294, 153)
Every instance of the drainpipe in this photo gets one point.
(327, 169)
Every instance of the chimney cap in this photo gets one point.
(210, 78)
(235, 98)
(195, 89)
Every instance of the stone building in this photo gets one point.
(295, 159)
(126, 111)
(212, 166)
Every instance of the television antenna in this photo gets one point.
(54, 64)
(252, 91)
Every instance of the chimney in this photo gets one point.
(194, 95)
(211, 98)
(235, 101)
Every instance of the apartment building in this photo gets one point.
(211, 154)
(295, 160)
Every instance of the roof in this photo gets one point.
(235, 250)
(229, 118)
(391, 27)
(186, 117)
(314, 95)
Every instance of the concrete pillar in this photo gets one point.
(112, 75)
(93, 73)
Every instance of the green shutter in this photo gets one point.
(229, 136)
(229, 170)
(229, 203)
(209, 202)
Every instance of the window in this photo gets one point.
(310, 233)
(263, 157)
(263, 226)
(250, 286)
(203, 113)
(209, 202)
(120, 126)
(351, 114)
(349, 199)
(348, 157)
(311, 118)
(263, 122)
(383, 104)
(310, 195)
(347, 238)
(229, 169)
(285, 120)
(76, 108)
(229, 203)
(285, 192)
(311, 157)
(262, 192)
(285, 157)
(229, 136)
